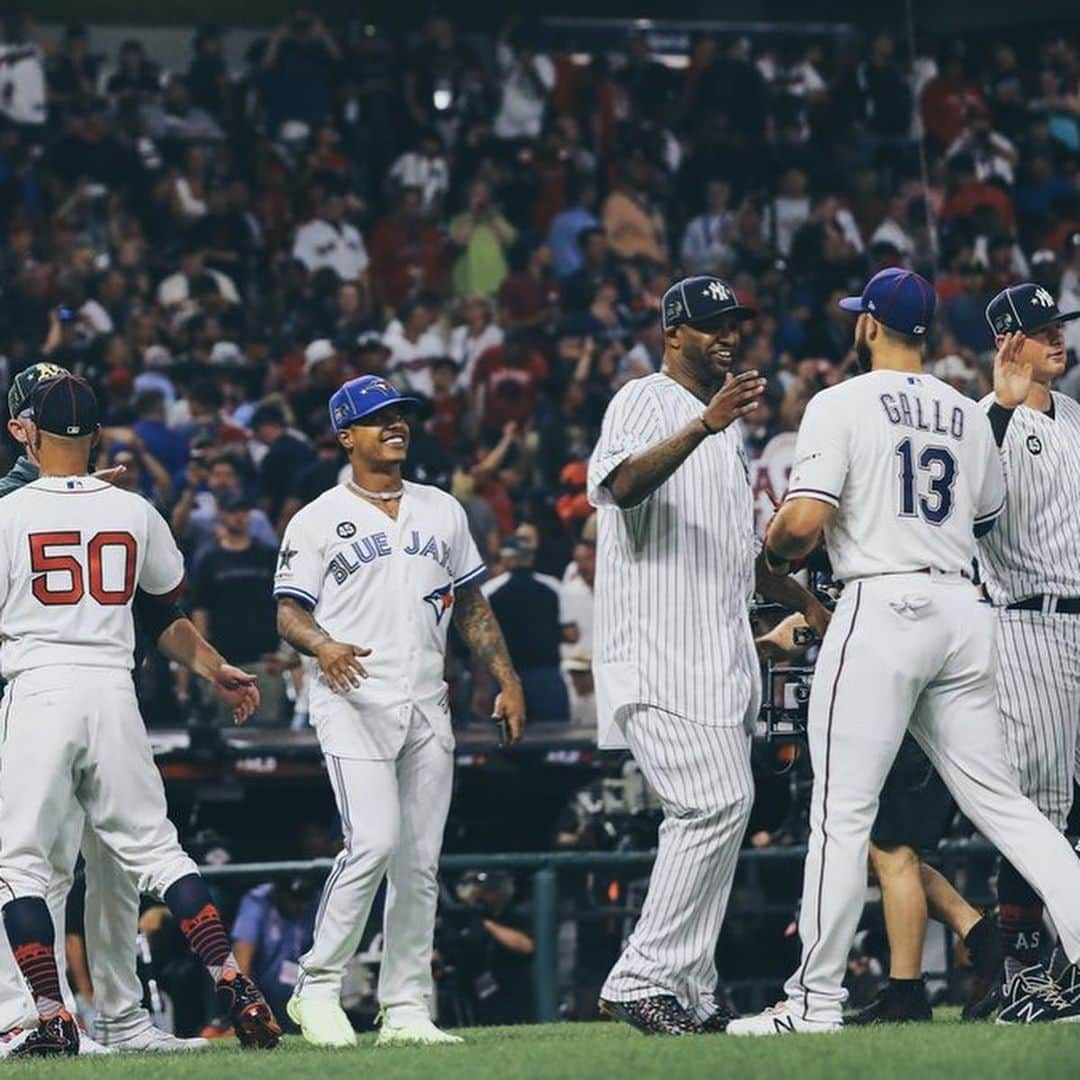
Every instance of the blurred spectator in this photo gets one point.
(506, 383)
(413, 340)
(1069, 300)
(528, 297)
(207, 75)
(273, 928)
(788, 211)
(298, 73)
(882, 97)
(598, 267)
(167, 445)
(72, 71)
(632, 222)
(965, 313)
(527, 78)
(706, 243)
(22, 62)
(949, 98)
(577, 667)
(569, 223)
(993, 155)
(285, 457)
(424, 168)
(529, 609)
(408, 254)
(577, 597)
(176, 119)
(477, 333)
(233, 607)
(328, 240)
(483, 237)
(134, 74)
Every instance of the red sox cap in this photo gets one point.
(65, 405)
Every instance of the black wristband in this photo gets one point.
(708, 430)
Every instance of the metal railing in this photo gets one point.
(545, 868)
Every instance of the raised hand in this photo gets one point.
(1012, 373)
(738, 396)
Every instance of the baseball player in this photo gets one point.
(900, 471)
(73, 550)
(1031, 567)
(377, 567)
(677, 675)
(112, 896)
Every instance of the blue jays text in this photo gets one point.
(376, 545)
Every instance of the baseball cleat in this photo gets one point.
(56, 1037)
(419, 1032)
(322, 1022)
(152, 1040)
(781, 1020)
(1032, 997)
(239, 999)
(717, 1023)
(983, 943)
(12, 1039)
(895, 1005)
(1069, 984)
(90, 1046)
(659, 1015)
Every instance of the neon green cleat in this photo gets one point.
(419, 1032)
(322, 1022)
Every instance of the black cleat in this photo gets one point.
(895, 1005)
(717, 1023)
(1069, 984)
(57, 1037)
(660, 1015)
(1032, 997)
(983, 943)
(240, 1000)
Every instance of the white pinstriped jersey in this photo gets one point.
(1034, 549)
(387, 585)
(674, 574)
(911, 465)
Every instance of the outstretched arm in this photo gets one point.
(337, 659)
(479, 629)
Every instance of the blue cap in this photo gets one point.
(900, 299)
(361, 397)
(1027, 307)
(698, 301)
(65, 405)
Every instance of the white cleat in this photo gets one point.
(780, 1020)
(152, 1040)
(322, 1022)
(421, 1032)
(91, 1046)
(12, 1040)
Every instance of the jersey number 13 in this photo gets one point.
(938, 462)
(45, 560)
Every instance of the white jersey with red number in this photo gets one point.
(911, 465)
(72, 552)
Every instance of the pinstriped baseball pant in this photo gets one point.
(1037, 662)
(703, 779)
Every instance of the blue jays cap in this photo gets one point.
(363, 396)
(65, 405)
(701, 302)
(1027, 307)
(900, 299)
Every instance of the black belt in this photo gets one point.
(1048, 605)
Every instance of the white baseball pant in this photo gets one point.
(393, 813)
(909, 650)
(74, 743)
(703, 779)
(1037, 659)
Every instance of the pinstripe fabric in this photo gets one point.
(703, 778)
(674, 574)
(1038, 692)
(1035, 546)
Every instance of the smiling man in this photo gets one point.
(677, 676)
(367, 574)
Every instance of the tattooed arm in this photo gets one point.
(337, 660)
(477, 625)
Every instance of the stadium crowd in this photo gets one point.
(489, 223)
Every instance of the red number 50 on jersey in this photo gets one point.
(42, 563)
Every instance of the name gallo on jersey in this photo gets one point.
(912, 412)
(366, 549)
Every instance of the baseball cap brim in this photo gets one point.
(740, 311)
(407, 404)
(1062, 317)
(853, 303)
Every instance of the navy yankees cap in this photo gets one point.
(900, 299)
(701, 302)
(1027, 307)
(65, 405)
(363, 396)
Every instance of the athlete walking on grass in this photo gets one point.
(369, 577)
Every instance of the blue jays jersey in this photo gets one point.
(389, 586)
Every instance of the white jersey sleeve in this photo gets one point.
(469, 568)
(822, 455)
(163, 566)
(631, 424)
(301, 561)
(991, 498)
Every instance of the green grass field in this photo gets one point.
(611, 1052)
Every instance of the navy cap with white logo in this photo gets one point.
(900, 299)
(1027, 307)
(701, 302)
(65, 405)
